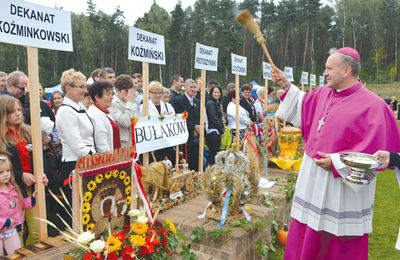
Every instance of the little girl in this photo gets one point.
(12, 205)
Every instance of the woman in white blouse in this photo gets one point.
(157, 108)
(74, 127)
(106, 135)
(231, 116)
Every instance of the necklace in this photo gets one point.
(321, 122)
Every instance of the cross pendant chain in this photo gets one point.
(321, 122)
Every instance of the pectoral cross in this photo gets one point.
(321, 122)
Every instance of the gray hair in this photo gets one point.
(106, 70)
(188, 81)
(165, 90)
(3, 74)
(230, 86)
(347, 60)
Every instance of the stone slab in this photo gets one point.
(239, 243)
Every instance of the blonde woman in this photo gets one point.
(74, 127)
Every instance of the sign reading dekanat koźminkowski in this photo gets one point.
(239, 65)
(27, 24)
(146, 46)
(206, 57)
(267, 71)
(153, 133)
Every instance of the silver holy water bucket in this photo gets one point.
(362, 166)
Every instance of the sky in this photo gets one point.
(133, 9)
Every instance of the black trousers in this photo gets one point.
(66, 169)
(193, 153)
(214, 146)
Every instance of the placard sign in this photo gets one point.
(321, 80)
(289, 73)
(206, 57)
(304, 78)
(153, 133)
(239, 65)
(27, 24)
(146, 46)
(313, 80)
(267, 74)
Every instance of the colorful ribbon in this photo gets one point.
(225, 208)
(246, 215)
(137, 173)
(205, 211)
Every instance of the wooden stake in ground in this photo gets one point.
(145, 89)
(37, 150)
(237, 106)
(202, 109)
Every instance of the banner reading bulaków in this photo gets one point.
(153, 133)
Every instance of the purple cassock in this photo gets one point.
(331, 218)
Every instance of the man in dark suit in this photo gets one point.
(176, 87)
(189, 103)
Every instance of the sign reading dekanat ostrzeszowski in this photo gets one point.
(106, 189)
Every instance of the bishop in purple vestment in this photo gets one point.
(331, 217)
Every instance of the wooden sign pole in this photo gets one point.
(302, 87)
(202, 105)
(310, 87)
(266, 93)
(33, 72)
(145, 76)
(237, 106)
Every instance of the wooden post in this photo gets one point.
(302, 87)
(310, 87)
(177, 159)
(202, 105)
(145, 77)
(33, 72)
(237, 106)
(266, 93)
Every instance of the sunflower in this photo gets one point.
(90, 227)
(91, 185)
(107, 175)
(122, 175)
(88, 196)
(127, 180)
(139, 228)
(128, 190)
(115, 173)
(137, 240)
(171, 225)
(99, 178)
(86, 207)
(85, 219)
(128, 200)
(113, 244)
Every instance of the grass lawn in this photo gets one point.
(386, 220)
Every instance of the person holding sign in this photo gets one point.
(124, 108)
(331, 217)
(188, 102)
(75, 129)
(158, 108)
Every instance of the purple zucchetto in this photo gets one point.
(351, 52)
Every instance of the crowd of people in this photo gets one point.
(93, 115)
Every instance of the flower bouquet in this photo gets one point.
(140, 240)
